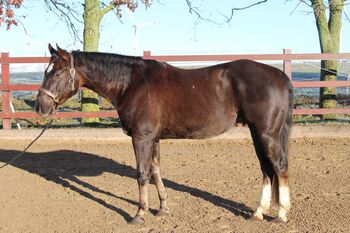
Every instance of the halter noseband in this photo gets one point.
(55, 97)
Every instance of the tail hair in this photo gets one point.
(274, 189)
(284, 137)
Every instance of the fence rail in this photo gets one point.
(286, 57)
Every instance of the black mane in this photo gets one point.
(107, 67)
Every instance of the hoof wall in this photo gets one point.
(279, 220)
(255, 218)
(137, 221)
(161, 213)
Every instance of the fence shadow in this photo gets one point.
(65, 166)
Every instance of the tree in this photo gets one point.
(329, 37)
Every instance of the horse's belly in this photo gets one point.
(208, 132)
(204, 128)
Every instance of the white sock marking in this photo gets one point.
(265, 201)
(284, 197)
(284, 202)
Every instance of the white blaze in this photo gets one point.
(49, 68)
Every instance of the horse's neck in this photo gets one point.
(109, 85)
(109, 92)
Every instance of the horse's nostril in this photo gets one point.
(38, 108)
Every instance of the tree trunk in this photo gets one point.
(329, 36)
(92, 19)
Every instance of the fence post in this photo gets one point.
(287, 64)
(146, 54)
(5, 71)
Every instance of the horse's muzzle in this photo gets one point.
(45, 106)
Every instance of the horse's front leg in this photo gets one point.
(142, 148)
(155, 173)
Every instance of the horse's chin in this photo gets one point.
(44, 114)
(49, 112)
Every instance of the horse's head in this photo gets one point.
(60, 82)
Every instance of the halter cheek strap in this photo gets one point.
(55, 97)
(49, 93)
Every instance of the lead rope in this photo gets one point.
(30, 144)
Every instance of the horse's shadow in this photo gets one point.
(62, 165)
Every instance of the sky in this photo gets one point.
(168, 28)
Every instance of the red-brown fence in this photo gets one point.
(5, 60)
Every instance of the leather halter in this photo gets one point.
(56, 96)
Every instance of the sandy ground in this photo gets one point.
(83, 180)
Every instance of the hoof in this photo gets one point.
(279, 220)
(255, 218)
(162, 212)
(137, 220)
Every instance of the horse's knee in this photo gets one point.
(155, 170)
(142, 178)
(282, 164)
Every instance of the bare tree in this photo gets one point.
(328, 18)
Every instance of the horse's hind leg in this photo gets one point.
(155, 173)
(284, 199)
(268, 174)
(265, 199)
(272, 154)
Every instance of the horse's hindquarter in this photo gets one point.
(262, 91)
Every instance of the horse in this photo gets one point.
(156, 100)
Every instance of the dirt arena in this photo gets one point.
(83, 180)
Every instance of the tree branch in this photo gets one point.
(196, 11)
(295, 8)
(346, 15)
(305, 2)
(70, 16)
(228, 19)
(107, 9)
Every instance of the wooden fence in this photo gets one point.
(287, 57)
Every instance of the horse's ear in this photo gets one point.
(52, 50)
(62, 53)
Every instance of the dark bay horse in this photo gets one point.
(157, 101)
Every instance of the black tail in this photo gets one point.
(284, 139)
